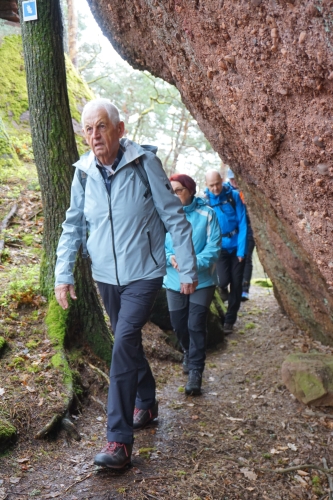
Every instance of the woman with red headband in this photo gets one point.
(188, 313)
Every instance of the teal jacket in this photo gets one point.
(126, 229)
(206, 237)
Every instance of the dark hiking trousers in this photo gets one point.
(188, 315)
(230, 272)
(248, 263)
(131, 380)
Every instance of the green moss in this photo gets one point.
(56, 322)
(7, 433)
(265, 283)
(249, 326)
(28, 239)
(14, 95)
(3, 344)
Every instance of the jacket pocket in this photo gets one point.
(150, 248)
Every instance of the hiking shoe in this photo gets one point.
(224, 294)
(228, 328)
(141, 418)
(185, 362)
(245, 296)
(114, 455)
(193, 386)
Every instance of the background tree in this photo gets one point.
(72, 31)
(55, 151)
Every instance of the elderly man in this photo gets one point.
(127, 203)
(230, 211)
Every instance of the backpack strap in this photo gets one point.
(83, 180)
(141, 172)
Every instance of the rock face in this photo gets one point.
(9, 10)
(258, 77)
(310, 378)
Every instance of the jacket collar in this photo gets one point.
(132, 151)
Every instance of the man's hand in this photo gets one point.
(174, 262)
(188, 288)
(240, 259)
(61, 292)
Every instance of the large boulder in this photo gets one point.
(258, 78)
(309, 376)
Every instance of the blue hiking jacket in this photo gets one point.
(230, 219)
(126, 229)
(206, 238)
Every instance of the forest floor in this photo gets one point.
(236, 441)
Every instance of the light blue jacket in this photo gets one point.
(230, 219)
(126, 229)
(206, 237)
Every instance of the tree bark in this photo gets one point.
(55, 151)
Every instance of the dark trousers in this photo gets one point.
(131, 380)
(188, 315)
(230, 272)
(248, 264)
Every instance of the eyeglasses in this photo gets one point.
(179, 190)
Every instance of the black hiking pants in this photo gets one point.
(188, 316)
(248, 263)
(131, 380)
(230, 272)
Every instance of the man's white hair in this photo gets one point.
(101, 103)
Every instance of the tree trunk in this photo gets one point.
(55, 151)
(72, 31)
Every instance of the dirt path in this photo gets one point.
(223, 445)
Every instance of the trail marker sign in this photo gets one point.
(29, 10)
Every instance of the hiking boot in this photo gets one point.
(245, 296)
(141, 418)
(193, 386)
(224, 294)
(185, 362)
(228, 328)
(114, 455)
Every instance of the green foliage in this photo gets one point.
(3, 343)
(23, 147)
(23, 286)
(249, 326)
(265, 283)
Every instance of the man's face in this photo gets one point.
(102, 135)
(214, 183)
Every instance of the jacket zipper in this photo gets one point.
(112, 230)
(150, 249)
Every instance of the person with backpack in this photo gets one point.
(231, 214)
(121, 195)
(188, 313)
(246, 283)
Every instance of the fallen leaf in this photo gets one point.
(282, 448)
(30, 389)
(14, 480)
(249, 474)
(274, 451)
(302, 473)
(213, 393)
(300, 480)
(23, 460)
(234, 419)
(292, 446)
(2, 391)
(3, 494)
(195, 417)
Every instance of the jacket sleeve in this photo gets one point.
(242, 225)
(168, 249)
(71, 237)
(210, 253)
(171, 213)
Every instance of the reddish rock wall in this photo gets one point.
(258, 77)
(9, 10)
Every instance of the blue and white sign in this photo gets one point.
(29, 10)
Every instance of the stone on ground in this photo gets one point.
(309, 376)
